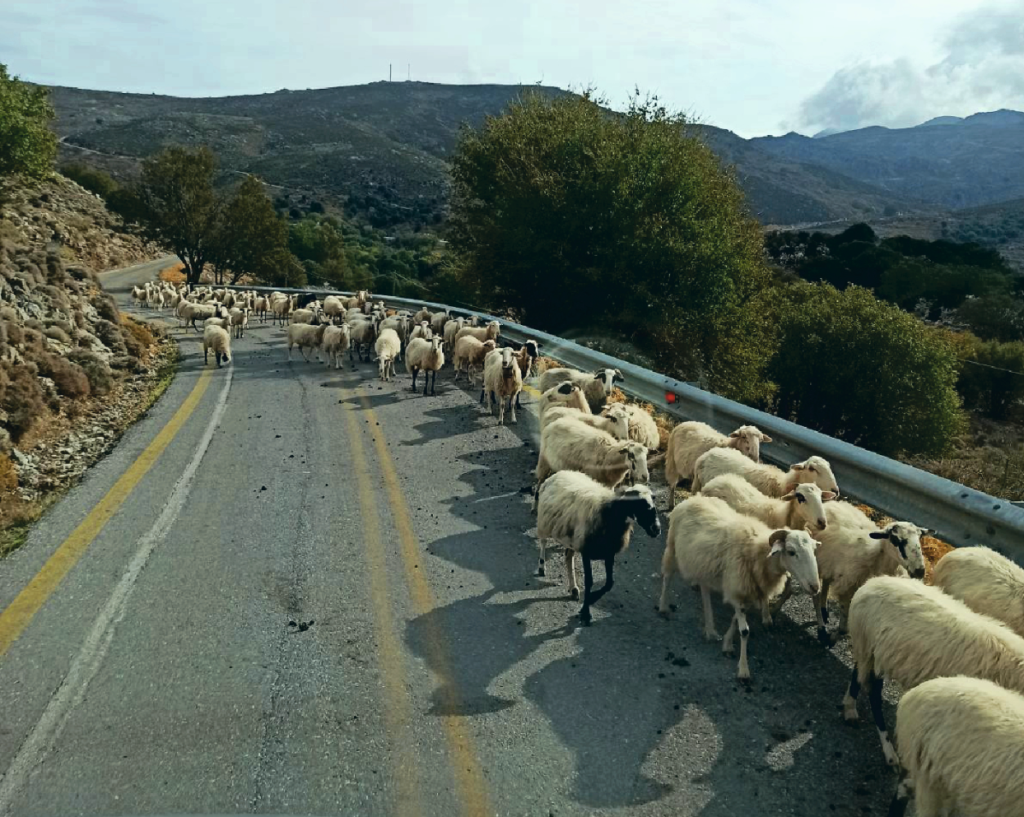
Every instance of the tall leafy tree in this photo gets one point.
(250, 234)
(180, 209)
(572, 215)
(27, 145)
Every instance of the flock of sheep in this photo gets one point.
(749, 532)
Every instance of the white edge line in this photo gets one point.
(97, 643)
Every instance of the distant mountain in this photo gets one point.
(974, 161)
(380, 150)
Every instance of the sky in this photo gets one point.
(753, 66)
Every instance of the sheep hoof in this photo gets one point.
(663, 613)
(585, 618)
(824, 614)
(574, 594)
(541, 571)
(825, 639)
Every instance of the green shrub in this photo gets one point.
(860, 369)
(992, 379)
(91, 178)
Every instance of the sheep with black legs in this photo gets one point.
(218, 339)
(740, 557)
(591, 520)
(470, 353)
(766, 478)
(960, 739)
(690, 440)
(425, 356)
(526, 356)
(363, 335)
(986, 582)
(482, 334)
(910, 633)
(597, 386)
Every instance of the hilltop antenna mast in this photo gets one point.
(408, 72)
(389, 72)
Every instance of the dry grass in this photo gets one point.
(174, 274)
(542, 364)
(141, 332)
(8, 474)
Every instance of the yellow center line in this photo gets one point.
(469, 778)
(16, 617)
(397, 709)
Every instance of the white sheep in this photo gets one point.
(853, 550)
(597, 386)
(642, 427)
(564, 395)
(569, 445)
(909, 632)
(766, 478)
(402, 326)
(216, 338)
(451, 329)
(689, 440)
(308, 316)
(421, 330)
(526, 356)
(424, 315)
(986, 582)
(740, 557)
(261, 306)
(335, 341)
(239, 320)
(438, 320)
(427, 356)
(502, 380)
(470, 352)
(614, 420)
(587, 518)
(482, 333)
(192, 312)
(803, 507)
(363, 335)
(305, 336)
(334, 307)
(387, 348)
(960, 739)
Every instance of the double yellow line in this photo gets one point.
(20, 612)
(470, 786)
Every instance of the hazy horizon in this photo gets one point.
(756, 67)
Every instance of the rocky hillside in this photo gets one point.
(67, 356)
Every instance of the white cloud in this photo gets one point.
(982, 68)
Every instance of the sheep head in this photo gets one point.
(747, 440)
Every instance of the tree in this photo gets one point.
(992, 379)
(858, 368)
(94, 180)
(577, 216)
(180, 208)
(27, 145)
(318, 244)
(249, 234)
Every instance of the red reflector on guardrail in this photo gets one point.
(670, 397)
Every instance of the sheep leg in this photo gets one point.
(570, 572)
(426, 380)
(588, 587)
(727, 641)
(302, 351)
(858, 678)
(710, 633)
(668, 564)
(415, 371)
(433, 383)
(743, 673)
(609, 580)
(512, 407)
(206, 356)
(875, 683)
(904, 791)
(823, 601)
(542, 547)
(768, 611)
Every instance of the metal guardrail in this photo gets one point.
(958, 514)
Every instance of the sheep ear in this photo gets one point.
(926, 532)
(618, 378)
(735, 434)
(776, 541)
(879, 534)
(789, 497)
(765, 438)
(827, 495)
(791, 487)
(797, 466)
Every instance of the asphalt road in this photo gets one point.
(298, 590)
